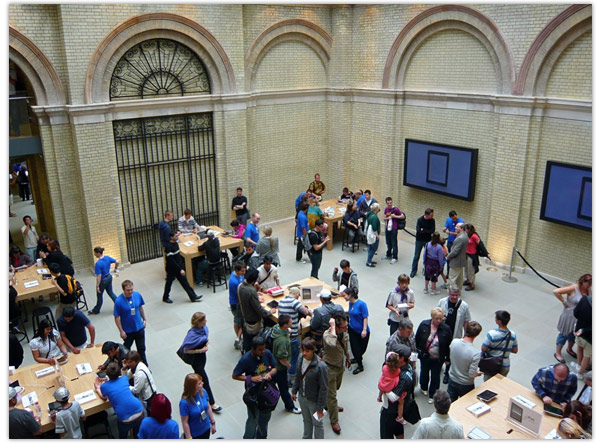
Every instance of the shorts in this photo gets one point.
(235, 309)
(584, 344)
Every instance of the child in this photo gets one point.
(67, 420)
(389, 381)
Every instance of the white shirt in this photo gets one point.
(439, 426)
(31, 237)
(47, 345)
(270, 282)
(144, 386)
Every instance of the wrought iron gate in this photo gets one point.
(164, 163)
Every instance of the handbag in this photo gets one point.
(251, 328)
(183, 356)
(411, 411)
(493, 365)
(264, 396)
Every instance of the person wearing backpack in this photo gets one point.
(317, 243)
(301, 230)
(66, 286)
(373, 230)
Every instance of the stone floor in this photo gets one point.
(534, 310)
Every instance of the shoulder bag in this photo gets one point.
(493, 365)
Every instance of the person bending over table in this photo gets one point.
(555, 384)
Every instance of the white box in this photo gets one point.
(478, 409)
(45, 372)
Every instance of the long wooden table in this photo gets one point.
(44, 287)
(45, 386)
(494, 422)
(340, 210)
(191, 252)
(312, 304)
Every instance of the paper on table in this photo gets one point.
(43, 271)
(85, 396)
(316, 416)
(552, 434)
(30, 399)
(189, 243)
(84, 368)
(30, 284)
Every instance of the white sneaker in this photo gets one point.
(434, 292)
(426, 291)
(237, 344)
(574, 366)
(393, 261)
(430, 401)
(424, 392)
(302, 261)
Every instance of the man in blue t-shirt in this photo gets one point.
(449, 228)
(252, 368)
(164, 228)
(236, 279)
(72, 324)
(252, 230)
(103, 277)
(130, 318)
(301, 229)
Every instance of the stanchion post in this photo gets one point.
(508, 277)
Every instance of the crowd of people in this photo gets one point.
(305, 371)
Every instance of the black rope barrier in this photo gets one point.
(534, 270)
(411, 234)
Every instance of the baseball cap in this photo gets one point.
(402, 351)
(325, 294)
(342, 288)
(12, 392)
(61, 394)
(295, 290)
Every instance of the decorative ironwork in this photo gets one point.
(158, 67)
(164, 163)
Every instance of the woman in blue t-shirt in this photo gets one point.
(195, 411)
(358, 330)
(160, 424)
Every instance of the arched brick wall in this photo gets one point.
(308, 33)
(557, 35)
(156, 25)
(38, 69)
(441, 18)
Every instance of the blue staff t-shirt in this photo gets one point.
(235, 281)
(197, 424)
(302, 223)
(102, 266)
(358, 311)
(152, 429)
(124, 403)
(123, 309)
(450, 225)
(252, 232)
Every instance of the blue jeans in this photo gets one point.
(417, 249)
(31, 252)
(104, 284)
(391, 241)
(123, 428)
(372, 249)
(432, 367)
(256, 423)
(456, 390)
(561, 339)
(295, 345)
(138, 338)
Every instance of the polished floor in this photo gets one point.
(534, 310)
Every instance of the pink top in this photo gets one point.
(473, 244)
(240, 233)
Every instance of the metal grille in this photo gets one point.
(164, 163)
(158, 67)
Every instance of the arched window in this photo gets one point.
(158, 67)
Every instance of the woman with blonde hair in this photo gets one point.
(195, 412)
(268, 245)
(432, 341)
(569, 429)
(194, 352)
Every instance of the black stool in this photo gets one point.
(81, 299)
(96, 420)
(217, 275)
(17, 327)
(355, 242)
(39, 314)
(226, 263)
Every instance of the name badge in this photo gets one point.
(132, 308)
(203, 415)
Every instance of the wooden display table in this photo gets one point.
(30, 274)
(340, 210)
(45, 386)
(312, 304)
(494, 422)
(191, 252)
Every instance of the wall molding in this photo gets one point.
(526, 106)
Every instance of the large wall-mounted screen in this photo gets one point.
(440, 168)
(567, 195)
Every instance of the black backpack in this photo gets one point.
(266, 333)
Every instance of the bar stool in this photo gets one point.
(226, 263)
(41, 313)
(17, 327)
(217, 275)
(355, 242)
(81, 299)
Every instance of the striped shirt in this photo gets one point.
(495, 342)
(292, 307)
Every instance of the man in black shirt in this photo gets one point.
(239, 204)
(316, 252)
(21, 423)
(175, 270)
(212, 257)
(425, 227)
(63, 283)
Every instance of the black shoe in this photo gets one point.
(370, 265)
(91, 312)
(446, 379)
(358, 370)
(412, 274)
(352, 361)
(196, 298)
(167, 300)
